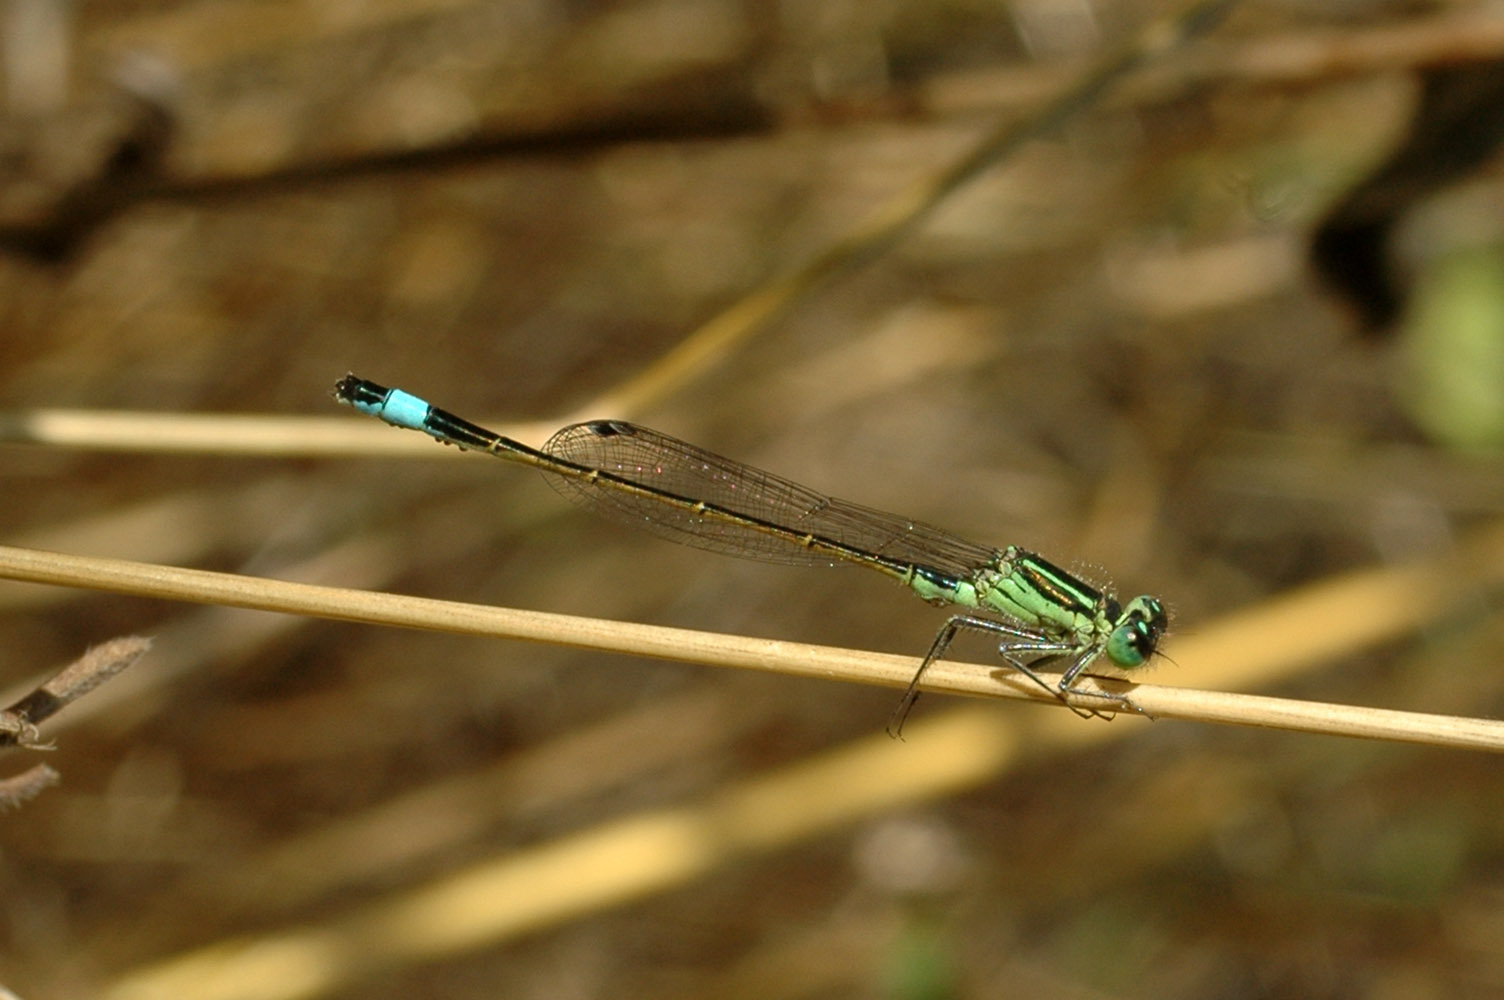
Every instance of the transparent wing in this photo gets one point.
(670, 466)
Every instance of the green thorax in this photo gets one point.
(1023, 586)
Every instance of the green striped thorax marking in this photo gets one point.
(1032, 590)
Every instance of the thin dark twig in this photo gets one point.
(18, 723)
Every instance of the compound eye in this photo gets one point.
(1131, 643)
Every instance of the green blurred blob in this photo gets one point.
(920, 965)
(1452, 377)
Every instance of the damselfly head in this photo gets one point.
(1137, 633)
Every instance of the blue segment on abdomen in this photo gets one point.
(401, 409)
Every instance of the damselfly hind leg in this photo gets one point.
(937, 649)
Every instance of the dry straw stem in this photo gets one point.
(706, 346)
(1452, 37)
(1310, 55)
(901, 214)
(524, 890)
(1325, 620)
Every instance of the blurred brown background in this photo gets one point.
(1112, 349)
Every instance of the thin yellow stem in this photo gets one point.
(714, 649)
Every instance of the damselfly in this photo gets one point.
(638, 476)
